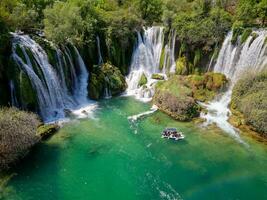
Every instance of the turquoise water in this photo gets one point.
(110, 158)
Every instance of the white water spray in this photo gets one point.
(49, 82)
(146, 61)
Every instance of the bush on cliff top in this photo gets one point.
(250, 98)
(17, 134)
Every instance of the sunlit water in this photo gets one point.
(111, 157)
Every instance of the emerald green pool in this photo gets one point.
(110, 158)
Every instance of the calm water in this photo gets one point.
(110, 158)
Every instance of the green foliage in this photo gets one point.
(181, 66)
(246, 33)
(250, 98)
(17, 133)
(206, 86)
(237, 31)
(63, 22)
(151, 10)
(251, 12)
(197, 57)
(202, 26)
(157, 77)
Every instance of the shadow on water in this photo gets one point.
(34, 173)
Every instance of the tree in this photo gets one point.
(63, 22)
(151, 10)
(262, 11)
(246, 11)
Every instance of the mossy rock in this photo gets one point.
(237, 31)
(28, 96)
(254, 36)
(181, 64)
(246, 33)
(96, 85)
(143, 80)
(158, 77)
(215, 81)
(162, 58)
(106, 76)
(206, 86)
(176, 99)
(47, 130)
(197, 57)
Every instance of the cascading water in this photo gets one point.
(100, 58)
(14, 101)
(234, 61)
(169, 57)
(146, 62)
(50, 86)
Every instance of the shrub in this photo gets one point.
(17, 134)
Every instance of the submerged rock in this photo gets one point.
(47, 130)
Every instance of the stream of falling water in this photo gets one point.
(49, 83)
(146, 61)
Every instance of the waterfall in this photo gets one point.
(49, 82)
(14, 101)
(169, 57)
(234, 61)
(100, 58)
(81, 92)
(146, 61)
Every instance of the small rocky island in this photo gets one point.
(179, 95)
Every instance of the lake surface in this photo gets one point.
(109, 157)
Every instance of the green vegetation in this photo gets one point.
(104, 77)
(250, 99)
(176, 99)
(157, 77)
(143, 80)
(178, 95)
(206, 86)
(47, 130)
(17, 133)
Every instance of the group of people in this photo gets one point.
(172, 134)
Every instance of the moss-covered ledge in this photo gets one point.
(179, 95)
(105, 77)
